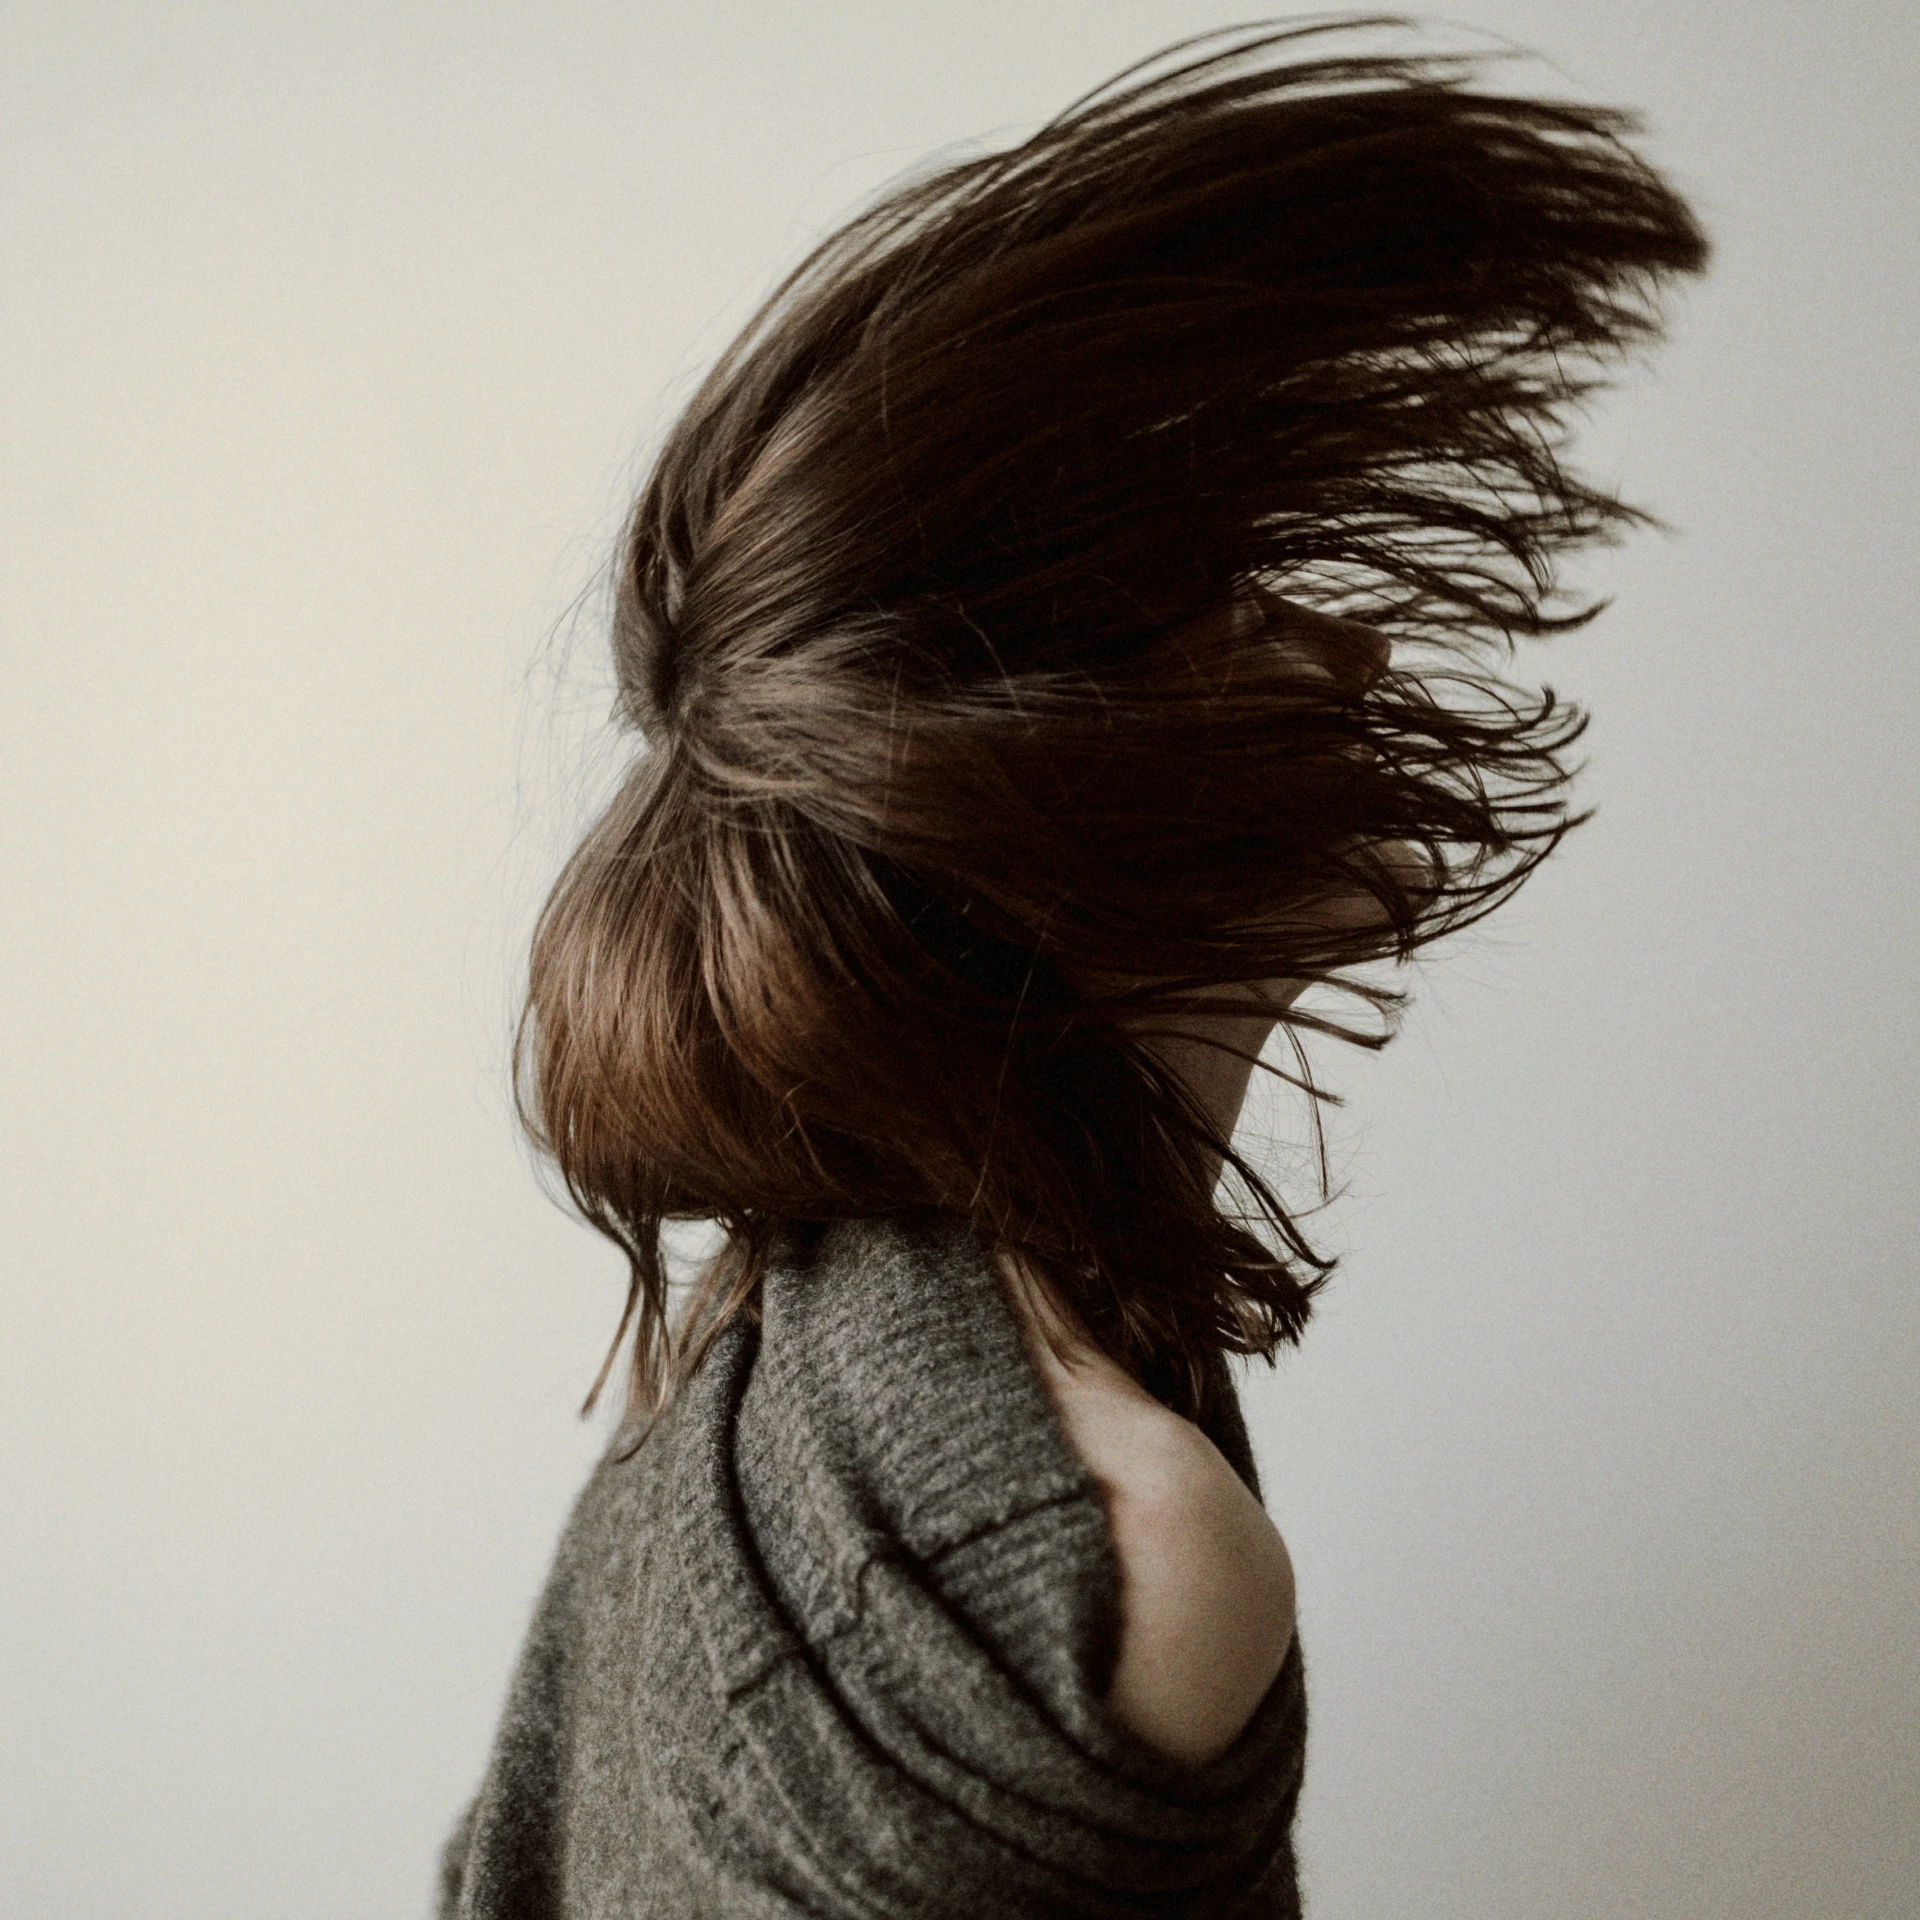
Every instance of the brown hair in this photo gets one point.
(923, 614)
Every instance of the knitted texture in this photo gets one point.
(833, 1642)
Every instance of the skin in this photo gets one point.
(1206, 1584)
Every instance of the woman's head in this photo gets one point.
(1007, 618)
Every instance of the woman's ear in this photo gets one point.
(1349, 653)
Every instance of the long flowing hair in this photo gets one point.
(981, 623)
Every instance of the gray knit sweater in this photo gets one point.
(833, 1642)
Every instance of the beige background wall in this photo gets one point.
(333, 337)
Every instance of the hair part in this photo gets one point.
(976, 618)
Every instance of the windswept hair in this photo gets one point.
(998, 620)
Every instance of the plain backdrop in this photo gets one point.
(335, 339)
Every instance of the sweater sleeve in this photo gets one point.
(909, 1598)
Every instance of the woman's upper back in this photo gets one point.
(1205, 1583)
(837, 1640)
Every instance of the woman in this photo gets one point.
(1060, 630)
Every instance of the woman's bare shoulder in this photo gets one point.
(1206, 1587)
